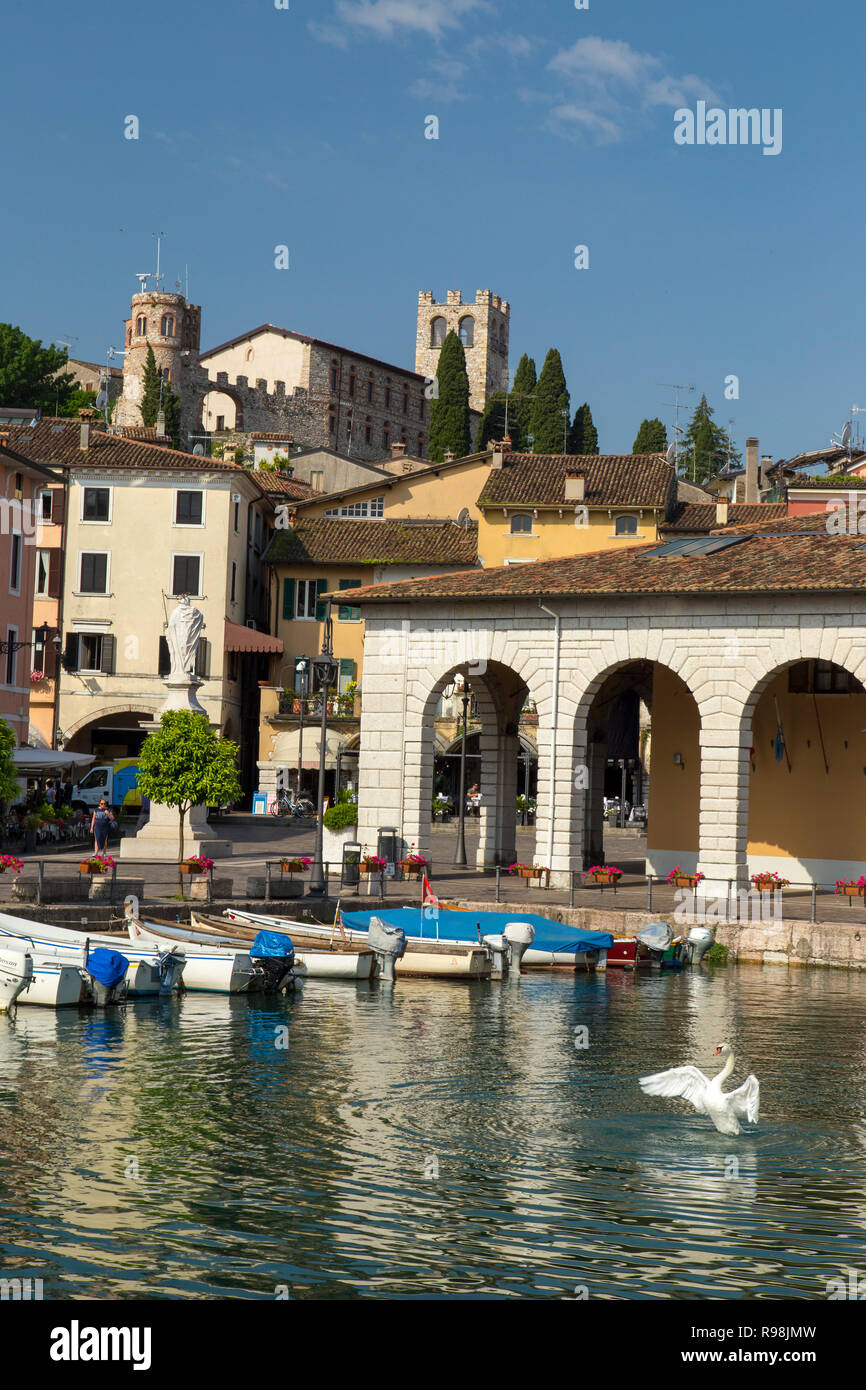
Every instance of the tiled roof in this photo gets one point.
(701, 517)
(386, 479)
(57, 441)
(337, 541)
(283, 485)
(805, 523)
(273, 438)
(612, 480)
(767, 563)
(837, 481)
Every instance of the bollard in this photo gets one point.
(210, 884)
(571, 887)
(267, 880)
(326, 867)
(813, 907)
(649, 893)
(498, 882)
(40, 881)
(113, 881)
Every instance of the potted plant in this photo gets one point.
(851, 888)
(371, 864)
(441, 808)
(412, 863)
(8, 861)
(31, 823)
(97, 864)
(196, 864)
(679, 878)
(766, 882)
(298, 865)
(528, 870)
(604, 873)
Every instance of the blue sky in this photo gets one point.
(305, 127)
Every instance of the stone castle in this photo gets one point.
(272, 379)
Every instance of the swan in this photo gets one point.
(725, 1109)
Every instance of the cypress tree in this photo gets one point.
(492, 423)
(551, 399)
(704, 449)
(150, 394)
(583, 438)
(652, 438)
(520, 407)
(171, 408)
(449, 413)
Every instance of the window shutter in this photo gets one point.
(321, 608)
(201, 658)
(58, 505)
(70, 654)
(288, 599)
(347, 671)
(164, 657)
(49, 660)
(348, 614)
(109, 643)
(54, 566)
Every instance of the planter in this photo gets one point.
(293, 866)
(93, 869)
(685, 881)
(766, 885)
(411, 870)
(191, 869)
(605, 877)
(851, 890)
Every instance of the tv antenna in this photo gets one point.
(66, 341)
(158, 236)
(676, 388)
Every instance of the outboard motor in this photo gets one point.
(274, 954)
(389, 945)
(496, 947)
(170, 966)
(106, 971)
(657, 937)
(700, 939)
(520, 936)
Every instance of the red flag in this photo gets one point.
(428, 897)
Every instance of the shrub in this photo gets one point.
(340, 816)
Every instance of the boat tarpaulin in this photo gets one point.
(656, 936)
(463, 926)
(272, 943)
(108, 967)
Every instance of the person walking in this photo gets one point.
(100, 824)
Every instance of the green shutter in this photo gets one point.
(348, 614)
(288, 599)
(321, 588)
(347, 672)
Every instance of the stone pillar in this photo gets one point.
(724, 806)
(594, 815)
(498, 784)
(380, 764)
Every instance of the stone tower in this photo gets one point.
(172, 328)
(483, 330)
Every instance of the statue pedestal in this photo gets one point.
(182, 694)
(158, 839)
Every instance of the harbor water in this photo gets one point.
(438, 1140)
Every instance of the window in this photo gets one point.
(11, 655)
(221, 422)
(188, 508)
(368, 431)
(307, 592)
(521, 524)
(351, 381)
(405, 400)
(422, 405)
(15, 563)
(347, 672)
(370, 388)
(251, 354)
(438, 330)
(422, 444)
(387, 393)
(96, 504)
(166, 327)
(332, 423)
(346, 612)
(234, 581)
(386, 436)
(373, 506)
(317, 479)
(45, 500)
(166, 374)
(626, 526)
(186, 575)
(43, 570)
(466, 330)
(820, 678)
(93, 573)
(90, 651)
(237, 516)
(232, 666)
(334, 376)
(141, 325)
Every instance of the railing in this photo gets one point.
(339, 706)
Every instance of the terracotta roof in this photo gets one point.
(612, 480)
(805, 523)
(273, 438)
(283, 484)
(249, 639)
(386, 479)
(840, 482)
(57, 441)
(338, 541)
(701, 517)
(765, 563)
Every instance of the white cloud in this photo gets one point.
(570, 119)
(515, 45)
(443, 85)
(388, 19)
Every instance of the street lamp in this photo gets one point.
(564, 414)
(301, 686)
(460, 856)
(325, 671)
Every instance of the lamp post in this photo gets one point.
(324, 675)
(460, 856)
(564, 414)
(301, 684)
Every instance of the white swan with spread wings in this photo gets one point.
(705, 1093)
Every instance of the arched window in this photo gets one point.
(128, 336)
(251, 353)
(141, 325)
(467, 331)
(438, 329)
(521, 523)
(626, 526)
(166, 327)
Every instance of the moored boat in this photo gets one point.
(149, 971)
(316, 958)
(16, 972)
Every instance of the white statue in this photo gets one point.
(182, 635)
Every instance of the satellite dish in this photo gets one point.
(199, 450)
(671, 452)
(102, 400)
(846, 435)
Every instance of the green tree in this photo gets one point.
(184, 764)
(171, 410)
(449, 411)
(75, 401)
(520, 407)
(9, 790)
(652, 438)
(583, 438)
(705, 448)
(152, 388)
(493, 424)
(29, 371)
(550, 408)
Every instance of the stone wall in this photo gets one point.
(487, 359)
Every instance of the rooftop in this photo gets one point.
(336, 541)
(701, 517)
(305, 338)
(611, 480)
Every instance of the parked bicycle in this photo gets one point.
(283, 805)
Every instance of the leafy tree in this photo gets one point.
(550, 408)
(75, 401)
(449, 412)
(29, 371)
(184, 764)
(652, 438)
(583, 438)
(152, 389)
(9, 789)
(705, 448)
(520, 407)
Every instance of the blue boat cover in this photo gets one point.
(463, 926)
(108, 967)
(272, 943)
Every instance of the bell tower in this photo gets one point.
(166, 323)
(483, 330)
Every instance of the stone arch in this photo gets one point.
(221, 388)
(466, 331)
(438, 331)
(105, 713)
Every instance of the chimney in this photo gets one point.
(722, 511)
(398, 450)
(751, 471)
(450, 455)
(766, 465)
(575, 486)
(85, 416)
(160, 425)
(497, 455)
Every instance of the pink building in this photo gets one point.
(21, 485)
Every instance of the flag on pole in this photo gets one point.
(428, 897)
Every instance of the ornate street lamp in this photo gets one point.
(301, 686)
(460, 856)
(325, 670)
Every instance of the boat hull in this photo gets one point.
(16, 970)
(143, 977)
(55, 986)
(215, 971)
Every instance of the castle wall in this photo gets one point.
(487, 359)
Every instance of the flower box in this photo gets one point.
(851, 888)
(769, 883)
(88, 868)
(295, 866)
(191, 869)
(371, 864)
(604, 873)
(686, 880)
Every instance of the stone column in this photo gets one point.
(724, 806)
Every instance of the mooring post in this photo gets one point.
(498, 882)
(813, 907)
(267, 880)
(571, 887)
(649, 892)
(40, 881)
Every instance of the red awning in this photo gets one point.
(248, 639)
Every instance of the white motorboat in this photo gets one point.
(16, 972)
(316, 958)
(58, 977)
(207, 969)
(150, 971)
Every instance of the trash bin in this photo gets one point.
(387, 845)
(350, 873)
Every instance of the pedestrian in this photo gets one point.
(50, 793)
(100, 824)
